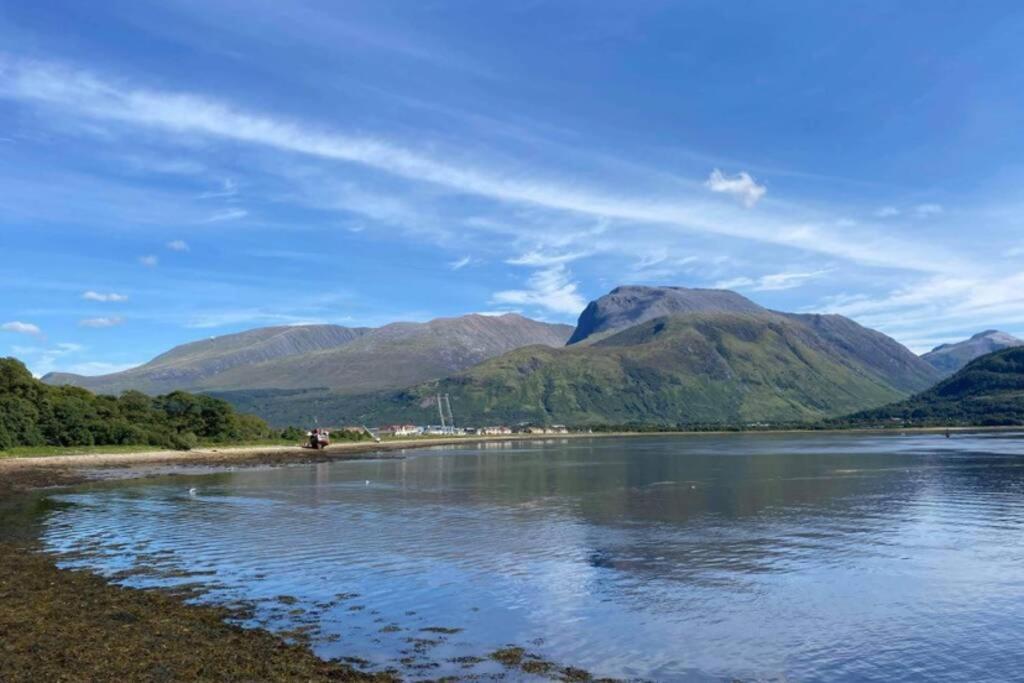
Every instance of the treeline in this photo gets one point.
(998, 412)
(35, 414)
(988, 392)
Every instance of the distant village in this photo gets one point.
(447, 426)
(446, 430)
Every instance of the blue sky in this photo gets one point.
(182, 169)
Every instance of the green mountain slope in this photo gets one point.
(698, 368)
(879, 355)
(987, 391)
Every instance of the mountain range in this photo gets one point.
(342, 359)
(665, 355)
(717, 358)
(655, 355)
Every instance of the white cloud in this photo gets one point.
(85, 95)
(21, 328)
(113, 321)
(104, 296)
(213, 319)
(959, 304)
(89, 368)
(461, 263)
(536, 258)
(771, 283)
(228, 189)
(926, 210)
(735, 283)
(550, 288)
(741, 186)
(227, 215)
(177, 245)
(149, 261)
(43, 359)
(887, 212)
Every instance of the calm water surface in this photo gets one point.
(806, 557)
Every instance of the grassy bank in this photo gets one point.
(42, 451)
(45, 451)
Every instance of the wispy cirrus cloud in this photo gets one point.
(952, 306)
(771, 282)
(67, 357)
(226, 215)
(228, 189)
(928, 210)
(150, 261)
(84, 94)
(104, 297)
(212, 319)
(537, 258)
(95, 367)
(461, 263)
(178, 245)
(43, 359)
(105, 321)
(550, 288)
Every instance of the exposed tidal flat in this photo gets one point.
(711, 557)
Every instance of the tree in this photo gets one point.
(33, 413)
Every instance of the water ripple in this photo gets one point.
(816, 557)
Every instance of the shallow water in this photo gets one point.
(758, 557)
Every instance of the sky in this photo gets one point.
(184, 169)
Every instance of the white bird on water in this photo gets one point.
(193, 491)
(367, 482)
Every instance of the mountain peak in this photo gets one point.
(949, 358)
(629, 305)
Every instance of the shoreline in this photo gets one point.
(22, 474)
(26, 472)
(91, 628)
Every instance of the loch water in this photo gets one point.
(803, 557)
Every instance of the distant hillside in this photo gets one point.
(987, 391)
(194, 365)
(948, 358)
(343, 359)
(695, 368)
(399, 355)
